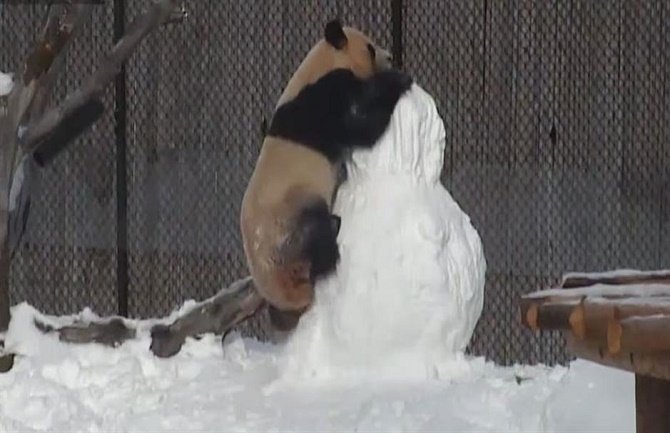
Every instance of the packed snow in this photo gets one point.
(381, 350)
(208, 386)
(6, 84)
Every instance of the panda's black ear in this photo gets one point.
(334, 34)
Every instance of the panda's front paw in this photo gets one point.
(392, 82)
(384, 90)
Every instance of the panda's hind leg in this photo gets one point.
(317, 229)
(310, 253)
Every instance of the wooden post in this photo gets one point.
(652, 404)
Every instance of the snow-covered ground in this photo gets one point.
(233, 387)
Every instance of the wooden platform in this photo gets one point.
(619, 319)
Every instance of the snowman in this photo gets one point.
(409, 287)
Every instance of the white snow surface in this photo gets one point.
(6, 84)
(380, 351)
(409, 287)
(614, 273)
(601, 290)
(55, 387)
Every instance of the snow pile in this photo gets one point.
(55, 387)
(410, 284)
(6, 84)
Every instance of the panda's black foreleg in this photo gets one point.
(373, 106)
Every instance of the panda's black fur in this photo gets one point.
(340, 112)
(334, 116)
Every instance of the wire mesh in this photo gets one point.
(554, 119)
(556, 116)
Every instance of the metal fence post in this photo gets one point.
(121, 186)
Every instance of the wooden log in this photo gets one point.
(217, 314)
(593, 316)
(651, 364)
(529, 307)
(112, 331)
(639, 334)
(549, 315)
(586, 280)
(652, 404)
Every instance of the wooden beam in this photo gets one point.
(654, 364)
(652, 404)
(649, 334)
(549, 315)
(593, 316)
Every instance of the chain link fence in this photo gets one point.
(557, 118)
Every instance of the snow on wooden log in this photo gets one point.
(600, 313)
(217, 314)
(648, 334)
(112, 331)
(620, 277)
(602, 291)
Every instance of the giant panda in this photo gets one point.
(341, 97)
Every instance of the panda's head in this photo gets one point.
(340, 48)
(350, 48)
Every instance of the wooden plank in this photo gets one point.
(654, 365)
(652, 404)
(649, 334)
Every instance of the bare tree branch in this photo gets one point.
(177, 16)
(218, 315)
(43, 66)
(110, 332)
(93, 87)
(71, 21)
(51, 131)
(58, 29)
